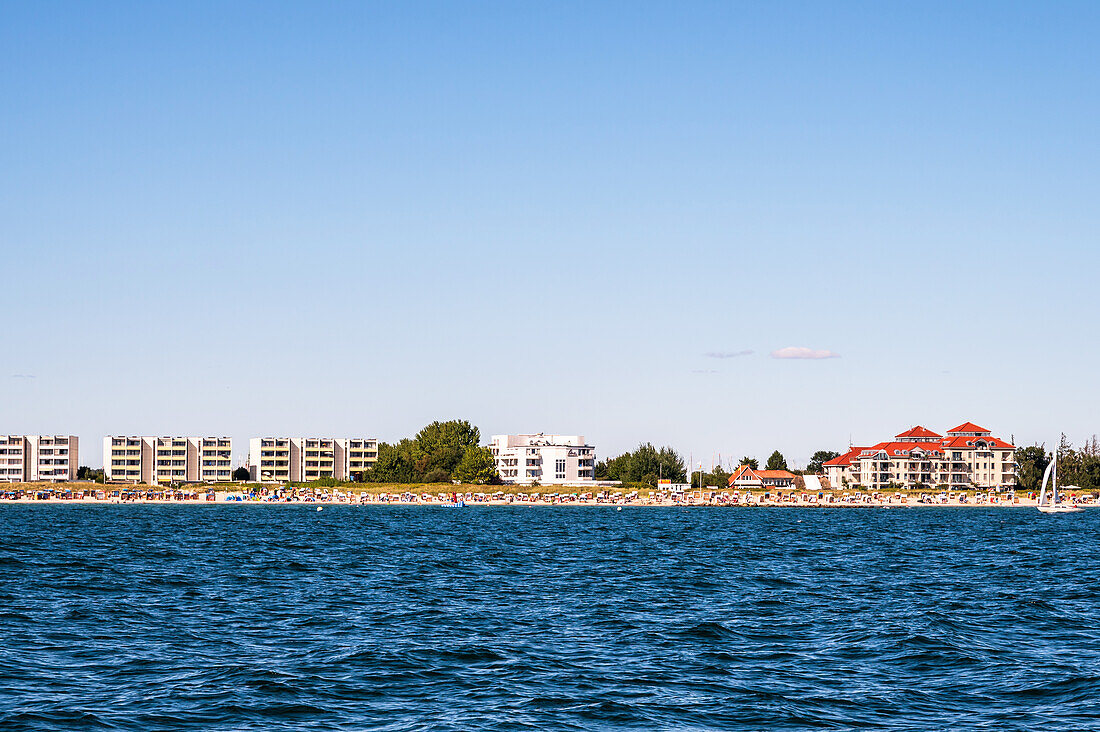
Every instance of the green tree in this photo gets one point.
(393, 466)
(717, 477)
(1031, 462)
(241, 474)
(819, 459)
(613, 468)
(95, 475)
(750, 461)
(646, 464)
(442, 445)
(477, 466)
(671, 465)
(777, 461)
(1079, 467)
(430, 457)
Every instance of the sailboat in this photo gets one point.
(1051, 474)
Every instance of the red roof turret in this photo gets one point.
(967, 428)
(918, 433)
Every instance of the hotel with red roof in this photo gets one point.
(968, 457)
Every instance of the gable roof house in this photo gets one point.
(747, 478)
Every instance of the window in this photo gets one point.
(559, 469)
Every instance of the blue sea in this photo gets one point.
(125, 617)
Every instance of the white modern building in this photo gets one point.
(304, 459)
(150, 460)
(544, 459)
(34, 458)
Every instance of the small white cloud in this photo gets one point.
(727, 354)
(24, 376)
(803, 352)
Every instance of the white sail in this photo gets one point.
(1046, 479)
(1051, 475)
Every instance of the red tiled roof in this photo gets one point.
(962, 441)
(746, 473)
(741, 471)
(917, 431)
(845, 459)
(899, 448)
(968, 427)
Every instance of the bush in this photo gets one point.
(437, 476)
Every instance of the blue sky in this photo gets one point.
(357, 218)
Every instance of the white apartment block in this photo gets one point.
(968, 457)
(152, 460)
(128, 459)
(33, 458)
(215, 459)
(545, 459)
(304, 459)
(13, 458)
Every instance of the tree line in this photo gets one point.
(646, 465)
(441, 452)
(1079, 466)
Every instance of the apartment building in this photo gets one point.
(544, 459)
(136, 459)
(33, 458)
(215, 459)
(356, 455)
(305, 459)
(13, 459)
(128, 459)
(968, 456)
(53, 457)
(174, 458)
(269, 459)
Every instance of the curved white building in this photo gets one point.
(544, 459)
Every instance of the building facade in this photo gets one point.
(136, 459)
(35, 458)
(305, 459)
(544, 459)
(747, 478)
(967, 457)
(215, 459)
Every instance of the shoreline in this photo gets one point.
(227, 500)
(472, 496)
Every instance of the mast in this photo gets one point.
(1054, 479)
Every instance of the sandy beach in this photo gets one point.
(473, 496)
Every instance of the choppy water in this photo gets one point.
(279, 618)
